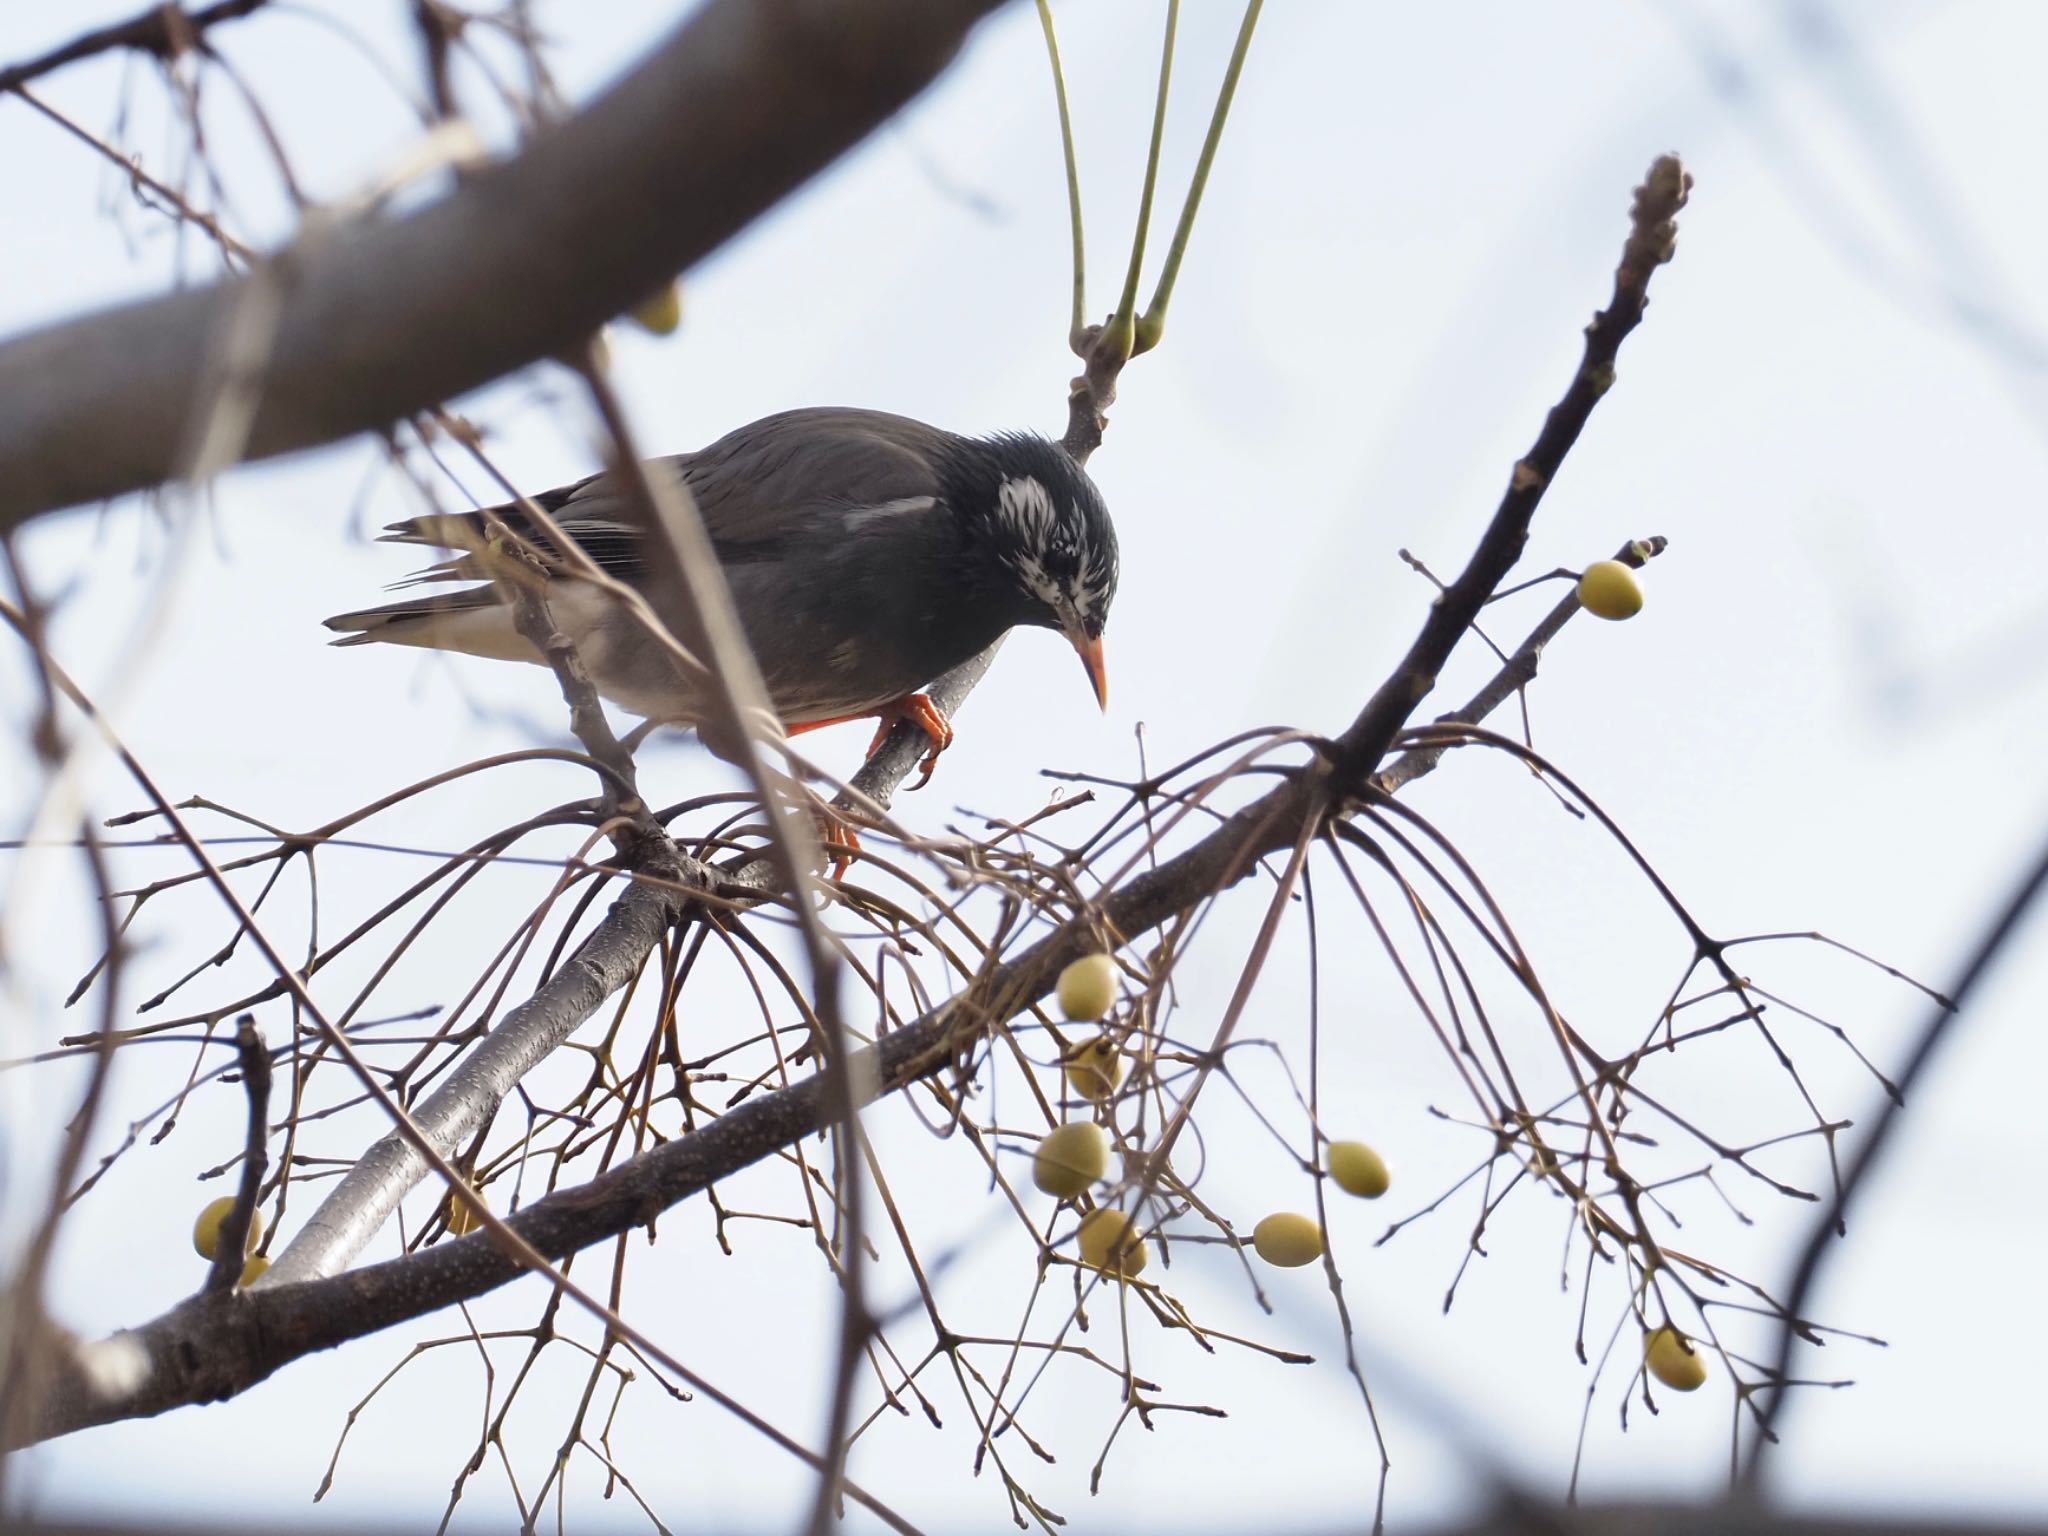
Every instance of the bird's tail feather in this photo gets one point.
(445, 530)
(474, 621)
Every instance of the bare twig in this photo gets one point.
(1829, 1224)
(1515, 674)
(1652, 237)
(359, 1205)
(1151, 325)
(162, 30)
(1078, 319)
(233, 1240)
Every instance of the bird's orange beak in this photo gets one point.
(1089, 649)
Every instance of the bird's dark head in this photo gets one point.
(1042, 522)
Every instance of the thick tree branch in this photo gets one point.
(381, 318)
(359, 1205)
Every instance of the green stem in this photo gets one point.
(1079, 320)
(1153, 322)
(1122, 324)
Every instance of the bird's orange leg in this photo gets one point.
(835, 831)
(912, 706)
(836, 835)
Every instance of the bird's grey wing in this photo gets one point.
(791, 479)
(827, 523)
(810, 513)
(781, 480)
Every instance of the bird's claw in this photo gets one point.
(920, 708)
(835, 830)
(836, 835)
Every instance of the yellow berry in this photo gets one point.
(253, 1267)
(1070, 1158)
(461, 1219)
(1674, 1359)
(660, 312)
(206, 1230)
(1288, 1239)
(1358, 1169)
(1088, 987)
(1110, 1243)
(1096, 1069)
(1609, 590)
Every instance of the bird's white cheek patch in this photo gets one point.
(1087, 586)
(1042, 586)
(1025, 506)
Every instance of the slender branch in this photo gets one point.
(1077, 321)
(1104, 349)
(232, 1240)
(1152, 324)
(1122, 328)
(163, 30)
(1829, 1224)
(367, 1194)
(1517, 672)
(1651, 241)
(31, 1347)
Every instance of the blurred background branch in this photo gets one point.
(379, 318)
